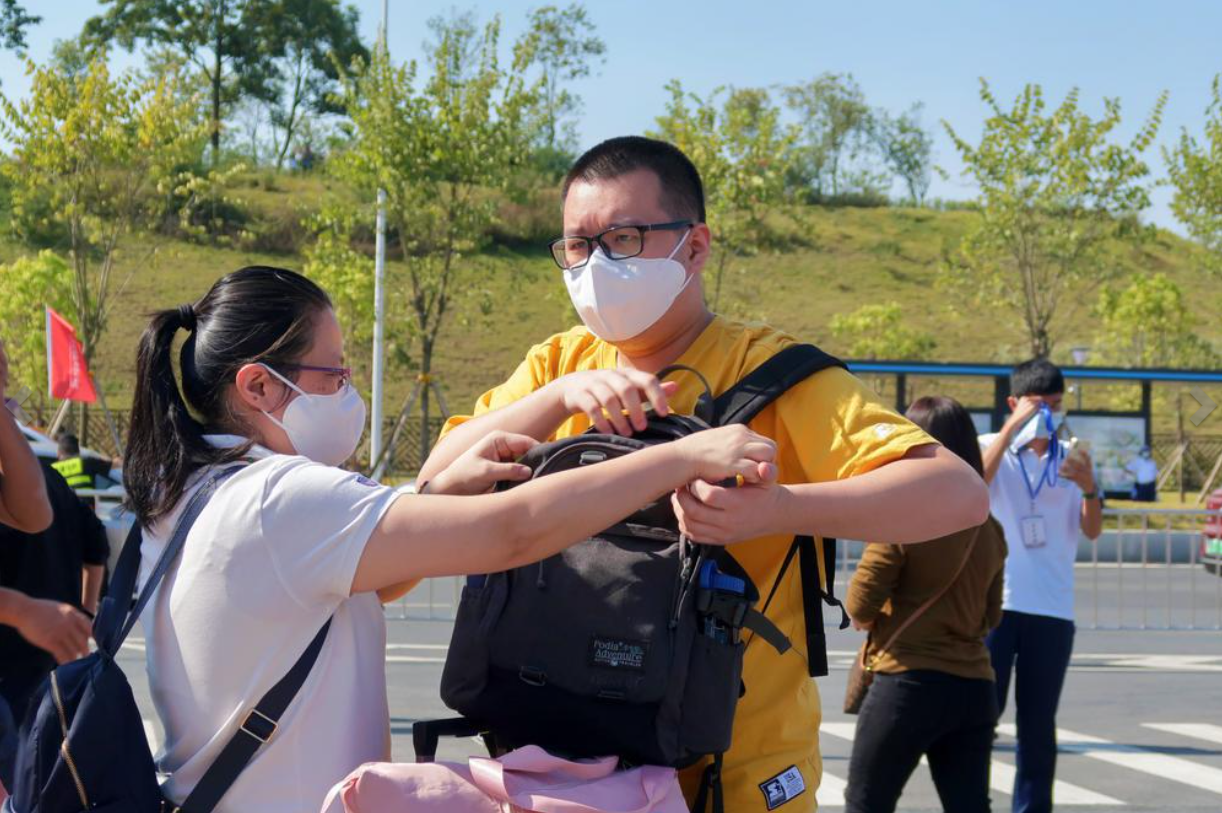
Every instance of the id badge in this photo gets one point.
(1035, 532)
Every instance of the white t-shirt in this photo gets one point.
(1143, 469)
(1039, 580)
(269, 560)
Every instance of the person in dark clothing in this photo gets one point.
(49, 585)
(81, 471)
(933, 692)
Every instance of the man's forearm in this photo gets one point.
(537, 415)
(1092, 517)
(23, 490)
(91, 586)
(926, 495)
(12, 606)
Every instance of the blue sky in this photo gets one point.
(899, 52)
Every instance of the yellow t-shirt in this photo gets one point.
(828, 427)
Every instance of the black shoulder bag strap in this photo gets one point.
(115, 622)
(740, 404)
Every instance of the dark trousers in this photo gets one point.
(1038, 648)
(947, 718)
(8, 744)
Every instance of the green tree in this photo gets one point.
(1149, 324)
(442, 151)
(736, 140)
(906, 148)
(96, 155)
(13, 22)
(245, 49)
(1195, 170)
(881, 332)
(836, 124)
(310, 39)
(1057, 199)
(27, 285)
(561, 45)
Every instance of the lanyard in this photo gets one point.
(1050, 475)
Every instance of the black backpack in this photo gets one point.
(83, 745)
(629, 643)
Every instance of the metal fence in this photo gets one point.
(1144, 572)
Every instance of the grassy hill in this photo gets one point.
(851, 257)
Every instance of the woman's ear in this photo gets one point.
(258, 389)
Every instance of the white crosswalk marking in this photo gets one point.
(831, 791)
(1136, 758)
(150, 733)
(1198, 731)
(1001, 775)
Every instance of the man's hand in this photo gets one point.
(480, 468)
(718, 515)
(606, 395)
(58, 628)
(1027, 406)
(1078, 469)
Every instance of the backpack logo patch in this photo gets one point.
(784, 787)
(617, 653)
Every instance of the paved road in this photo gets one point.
(1141, 717)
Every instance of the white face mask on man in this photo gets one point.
(619, 299)
(1043, 424)
(324, 428)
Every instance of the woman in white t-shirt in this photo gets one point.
(291, 541)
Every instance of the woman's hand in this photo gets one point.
(480, 468)
(604, 396)
(730, 452)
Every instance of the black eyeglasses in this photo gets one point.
(618, 243)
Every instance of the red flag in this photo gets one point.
(67, 375)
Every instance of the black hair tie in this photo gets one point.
(186, 317)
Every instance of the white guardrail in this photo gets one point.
(1150, 569)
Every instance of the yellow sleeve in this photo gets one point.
(840, 428)
(538, 368)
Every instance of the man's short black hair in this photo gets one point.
(682, 189)
(1036, 377)
(69, 445)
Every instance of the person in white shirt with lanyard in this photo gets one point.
(1045, 498)
(292, 550)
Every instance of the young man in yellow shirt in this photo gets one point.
(634, 246)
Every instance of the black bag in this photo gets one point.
(83, 746)
(628, 643)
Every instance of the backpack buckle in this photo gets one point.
(258, 725)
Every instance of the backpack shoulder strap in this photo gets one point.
(814, 596)
(769, 381)
(255, 731)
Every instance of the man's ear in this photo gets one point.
(1012, 401)
(697, 248)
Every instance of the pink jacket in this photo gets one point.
(528, 779)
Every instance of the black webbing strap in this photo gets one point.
(813, 596)
(254, 732)
(710, 784)
(427, 734)
(770, 381)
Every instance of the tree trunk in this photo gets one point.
(426, 368)
(217, 76)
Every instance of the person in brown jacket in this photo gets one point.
(933, 692)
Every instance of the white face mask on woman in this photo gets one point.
(619, 299)
(324, 428)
